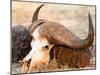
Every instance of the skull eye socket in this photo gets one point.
(46, 46)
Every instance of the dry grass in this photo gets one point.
(52, 67)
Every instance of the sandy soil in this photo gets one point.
(74, 17)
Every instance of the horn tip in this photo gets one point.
(89, 15)
(35, 15)
(42, 5)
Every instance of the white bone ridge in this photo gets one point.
(36, 44)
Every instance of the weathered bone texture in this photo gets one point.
(21, 41)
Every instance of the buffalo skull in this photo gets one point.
(47, 35)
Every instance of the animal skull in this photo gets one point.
(45, 37)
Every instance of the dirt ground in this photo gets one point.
(74, 17)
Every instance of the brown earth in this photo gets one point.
(74, 17)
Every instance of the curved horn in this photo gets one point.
(89, 40)
(35, 20)
(84, 43)
(80, 43)
(35, 15)
(62, 36)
